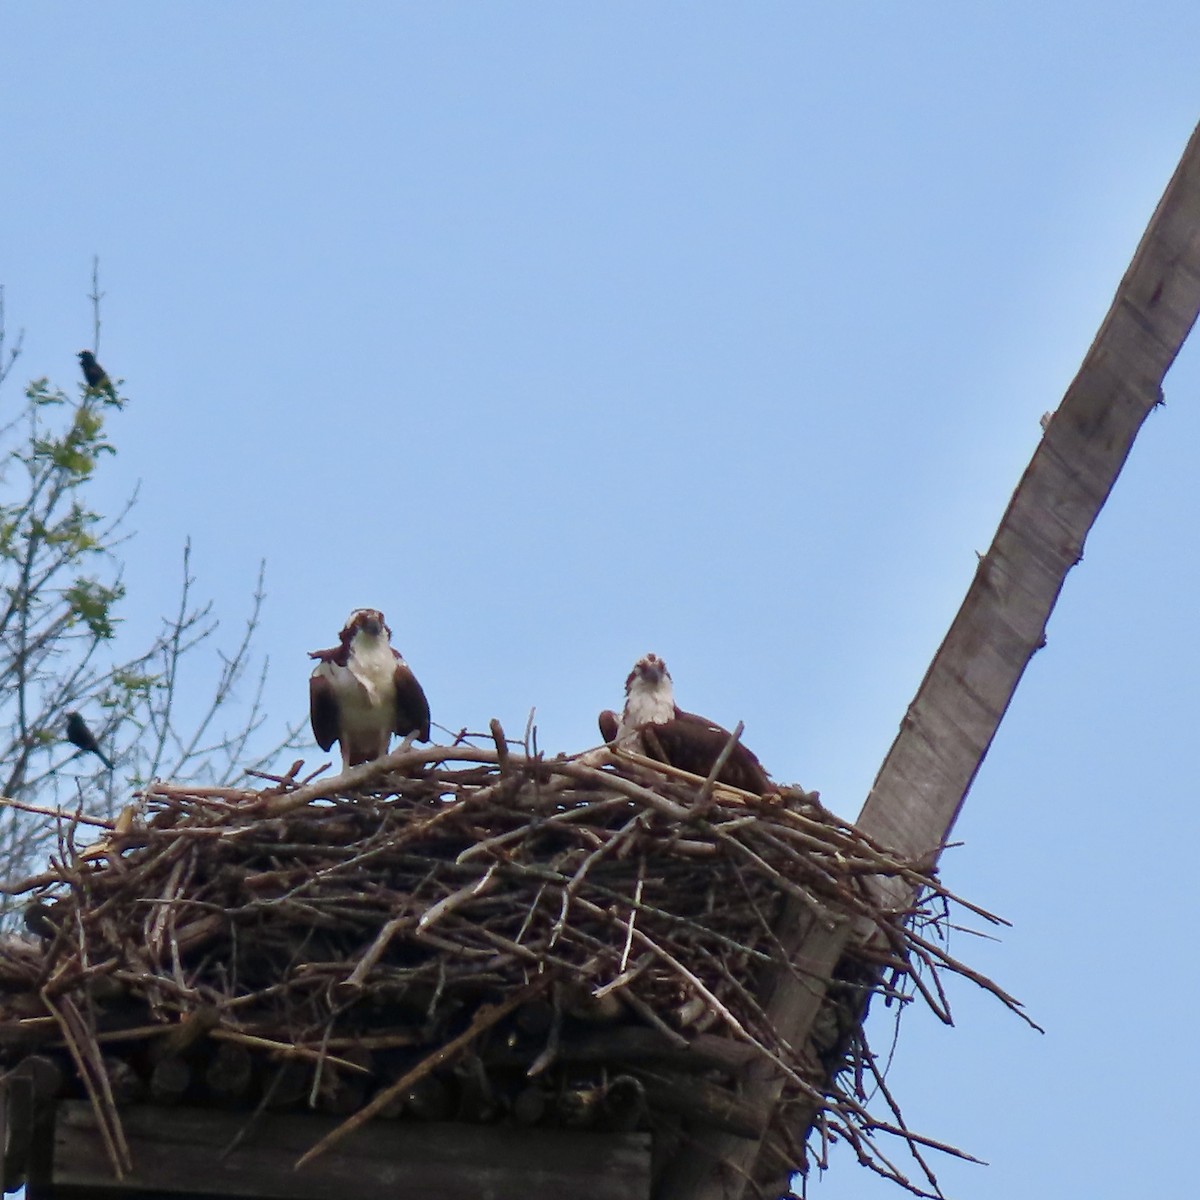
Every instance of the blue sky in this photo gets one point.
(565, 332)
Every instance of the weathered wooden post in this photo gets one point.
(950, 724)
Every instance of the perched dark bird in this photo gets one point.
(362, 691)
(95, 375)
(78, 734)
(652, 724)
(39, 918)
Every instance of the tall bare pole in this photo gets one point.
(949, 726)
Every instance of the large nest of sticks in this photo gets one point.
(466, 933)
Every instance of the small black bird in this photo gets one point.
(39, 918)
(78, 734)
(95, 375)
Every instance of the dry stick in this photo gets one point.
(95, 1080)
(625, 978)
(805, 979)
(836, 860)
(534, 954)
(381, 1041)
(637, 899)
(530, 912)
(549, 1051)
(285, 1049)
(347, 865)
(820, 911)
(960, 968)
(449, 903)
(400, 760)
(156, 920)
(617, 783)
(57, 813)
(138, 1033)
(502, 755)
(623, 834)
(942, 1008)
(872, 1157)
(715, 1003)
(32, 882)
(315, 1090)
(284, 781)
(252, 1121)
(652, 1019)
(912, 1140)
(881, 861)
(485, 1018)
(591, 808)
(735, 794)
(190, 791)
(554, 878)
(704, 798)
(357, 977)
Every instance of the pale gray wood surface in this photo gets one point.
(949, 726)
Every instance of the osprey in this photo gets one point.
(653, 725)
(361, 692)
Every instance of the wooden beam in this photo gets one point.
(180, 1151)
(949, 726)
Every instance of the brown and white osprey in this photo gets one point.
(654, 725)
(361, 692)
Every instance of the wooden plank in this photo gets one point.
(179, 1151)
(949, 726)
(17, 1125)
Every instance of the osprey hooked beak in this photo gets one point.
(366, 620)
(651, 669)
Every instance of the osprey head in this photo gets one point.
(649, 694)
(647, 672)
(365, 620)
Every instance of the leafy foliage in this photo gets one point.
(61, 592)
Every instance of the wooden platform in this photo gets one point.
(183, 1153)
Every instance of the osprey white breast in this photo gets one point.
(362, 691)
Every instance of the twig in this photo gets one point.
(704, 800)
(485, 1018)
(95, 1080)
(58, 814)
(438, 876)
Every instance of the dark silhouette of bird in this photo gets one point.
(39, 918)
(95, 375)
(78, 734)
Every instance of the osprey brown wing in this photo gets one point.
(609, 724)
(323, 711)
(412, 709)
(693, 743)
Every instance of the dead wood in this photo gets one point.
(950, 724)
(468, 934)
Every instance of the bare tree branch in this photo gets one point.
(61, 588)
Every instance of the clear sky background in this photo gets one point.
(563, 332)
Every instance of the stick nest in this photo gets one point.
(467, 933)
